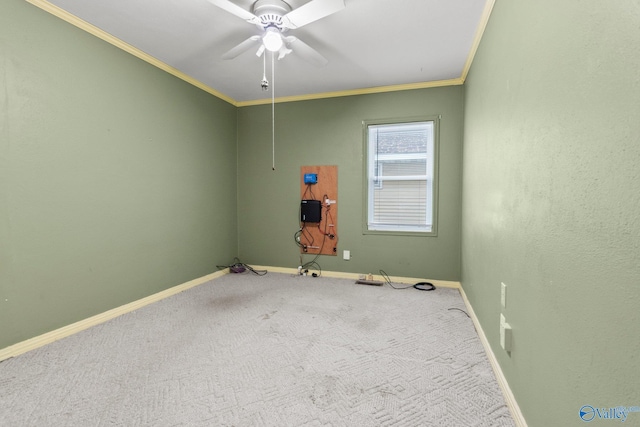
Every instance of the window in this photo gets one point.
(400, 176)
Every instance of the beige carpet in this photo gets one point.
(276, 350)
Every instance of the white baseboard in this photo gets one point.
(509, 398)
(65, 331)
(355, 276)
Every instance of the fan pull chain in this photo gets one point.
(273, 114)
(264, 83)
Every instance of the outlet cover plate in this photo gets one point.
(505, 334)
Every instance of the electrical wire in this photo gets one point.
(254, 271)
(296, 238)
(387, 280)
(459, 309)
(424, 286)
(237, 266)
(421, 286)
(310, 191)
(308, 237)
(313, 262)
(333, 235)
(303, 234)
(273, 114)
(306, 266)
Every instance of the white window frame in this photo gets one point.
(372, 182)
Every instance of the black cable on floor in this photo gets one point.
(387, 280)
(421, 286)
(459, 309)
(238, 266)
(424, 286)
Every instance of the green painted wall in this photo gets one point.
(329, 132)
(117, 180)
(551, 201)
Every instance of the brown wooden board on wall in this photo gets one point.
(322, 237)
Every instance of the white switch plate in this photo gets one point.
(503, 295)
(346, 255)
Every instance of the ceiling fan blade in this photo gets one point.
(242, 47)
(236, 10)
(310, 12)
(306, 52)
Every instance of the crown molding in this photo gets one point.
(482, 25)
(103, 35)
(352, 92)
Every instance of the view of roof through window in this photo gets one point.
(403, 138)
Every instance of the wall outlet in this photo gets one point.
(503, 295)
(505, 334)
(346, 255)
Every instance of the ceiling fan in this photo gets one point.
(274, 18)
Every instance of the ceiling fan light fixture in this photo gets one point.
(272, 39)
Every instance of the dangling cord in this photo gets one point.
(273, 114)
(264, 72)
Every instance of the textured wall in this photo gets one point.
(329, 132)
(117, 180)
(551, 201)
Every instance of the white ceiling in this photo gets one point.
(369, 43)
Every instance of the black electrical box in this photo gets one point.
(310, 210)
